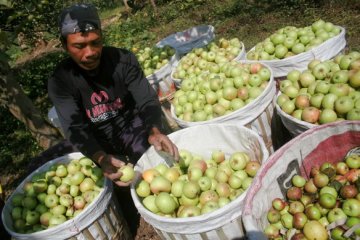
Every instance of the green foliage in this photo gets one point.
(18, 146)
(33, 78)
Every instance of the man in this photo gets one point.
(106, 106)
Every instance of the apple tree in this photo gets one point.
(28, 18)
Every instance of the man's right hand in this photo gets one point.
(110, 165)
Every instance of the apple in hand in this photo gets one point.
(127, 172)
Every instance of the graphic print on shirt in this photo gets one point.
(103, 109)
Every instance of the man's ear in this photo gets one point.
(63, 42)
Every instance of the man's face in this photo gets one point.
(85, 48)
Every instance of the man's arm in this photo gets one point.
(149, 107)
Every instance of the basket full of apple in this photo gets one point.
(327, 91)
(293, 47)
(65, 198)
(309, 188)
(203, 192)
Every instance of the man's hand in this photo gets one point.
(161, 142)
(110, 165)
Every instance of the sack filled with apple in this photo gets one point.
(226, 88)
(327, 91)
(310, 182)
(196, 185)
(327, 205)
(54, 194)
(152, 59)
(294, 47)
(290, 41)
(208, 58)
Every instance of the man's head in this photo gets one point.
(80, 30)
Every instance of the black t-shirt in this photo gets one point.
(95, 106)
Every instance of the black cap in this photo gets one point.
(79, 17)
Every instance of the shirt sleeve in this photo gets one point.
(73, 122)
(147, 101)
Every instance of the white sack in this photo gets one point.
(69, 228)
(324, 51)
(202, 140)
(325, 143)
(255, 115)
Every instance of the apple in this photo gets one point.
(16, 213)
(165, 203)
(354, 79)
(32, 217)
(273, 216)
(189, 211)
(313, 230)
(298, 181)
(204, 183)
(353, 114)
(191, 189)
(56, 220)
(321, 180)
(339, 89)
(73, 167)
(310, 114)
(41, 208)
(353, 161)
(29, 202)
(16, 200)
(341, 168)
(327, 200)
(306, 79)
(351, 207)
(351, 221)
(272, 231)
(160, 184)
(252, 167)
(238, 160)
(328, 189)
(77, 178)
(278, 204)
(299, 220)
(327, 116)
(149, 174)
(287, 220)
(79, 202)
(185, 201)
(294, 193)
(45, 218)
(234, 181)
(295, 207)
(344, 104)
(302, 101)
(208, 195)
(310, 186)
(348, 191)
(58, 210)
(337, 233)
(86, 185)
(313, 213)
(336, 214)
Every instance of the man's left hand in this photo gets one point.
(162, 142)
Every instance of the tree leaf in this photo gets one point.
(6, 4)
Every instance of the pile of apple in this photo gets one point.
(291, 40)
(326, 205)
(56, 195)
(327, 91)
(152, 59)
(224, 89)
(208, 58)
(196, 186)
